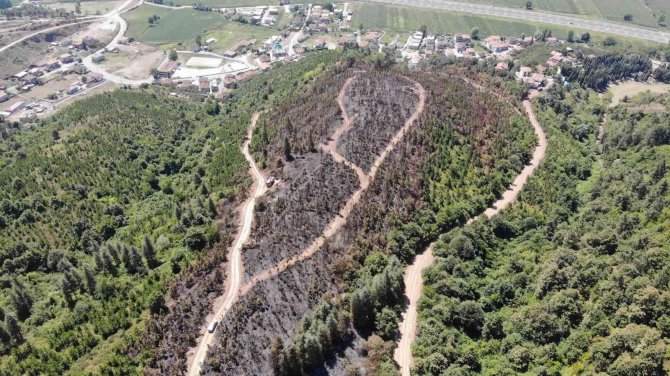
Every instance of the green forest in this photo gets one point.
(103, 205)
(574, 278)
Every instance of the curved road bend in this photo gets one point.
(363, 178)
(413, 273)
(622, 30)
(235, 278)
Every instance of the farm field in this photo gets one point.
(88, 7)
(174, 25)
(402, 19)
(598, 9)
(231, 33)
(222, 3)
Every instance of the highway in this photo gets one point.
(627, 31)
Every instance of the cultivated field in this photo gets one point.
(223, 3)
(231, 33)
(603, 9)
(88, 7)
(402, 19)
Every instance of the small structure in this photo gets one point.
(74, 89)
(204, 87)
(51, 65)
(98, 58)
(210, 41)
(21, 75)
(167, 68)
(502, 66)
(320, 44)
(270, 182)
(66, 58)
(4, 97)
(230, 54)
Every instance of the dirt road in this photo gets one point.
(413, 273)
(235, 276)
(364, 180)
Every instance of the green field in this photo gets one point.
(401, 19)
(603, 9)
(232, 32)
(87, 7)
(222, 3)
(175, 25)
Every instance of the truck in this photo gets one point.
(212, 326)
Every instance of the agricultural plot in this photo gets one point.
(87, 7)
(401, 19)
(222, 3)
(174, 25)
(231, 33)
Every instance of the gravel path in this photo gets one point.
(413, 273)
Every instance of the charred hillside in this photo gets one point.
(456, 157)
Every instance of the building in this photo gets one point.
(167, 68)
(21, 75)
(51, 65)
(320, 44)
(204, 87)
(72, 89)
(66, 58)
(525, 72)
(4, 97)
(502, 66)
(229, 82)
(230, 54)
(98, 58)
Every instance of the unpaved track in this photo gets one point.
(364, 180)
(235, 256)
(413, 273)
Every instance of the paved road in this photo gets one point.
(413, 273)
(115, 16)
(235, 277)
(541, 17)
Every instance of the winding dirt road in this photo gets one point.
(235, 278)
(364, 180)
(413, 273)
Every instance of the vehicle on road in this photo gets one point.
(212, 326)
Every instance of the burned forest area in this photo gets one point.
(323, 267)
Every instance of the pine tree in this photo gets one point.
(287, 150)
(213, 212)
(149, 252)
(13, 328)
(68, 291)
(89, 279)
(20, 299)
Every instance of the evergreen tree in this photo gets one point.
(89, 279)
(287, 150)
(20, 299)
(149, 252)
(13, 328)
(213, 212)
(68, 291)
(275, 355)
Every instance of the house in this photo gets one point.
(229, 82)
(210, 41)
(21, 75)
(214, 85)
(4, 97)
(124, 40)
(204, 87)
(299, 50)
(502, 66)
(459, 47)
(230, 11)
(273, 10)
(167, 68)
(525, 72)
(72, 89)
(458, 38)
(79, 69)
(230, 54)
(98, 58)
(320, 44)
(51, 65)
(66, 58)
(36, 72)
(552, 40)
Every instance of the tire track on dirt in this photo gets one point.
(225, 302)
(413, 273)
(364, 179)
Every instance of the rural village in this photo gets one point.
(74, 66)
